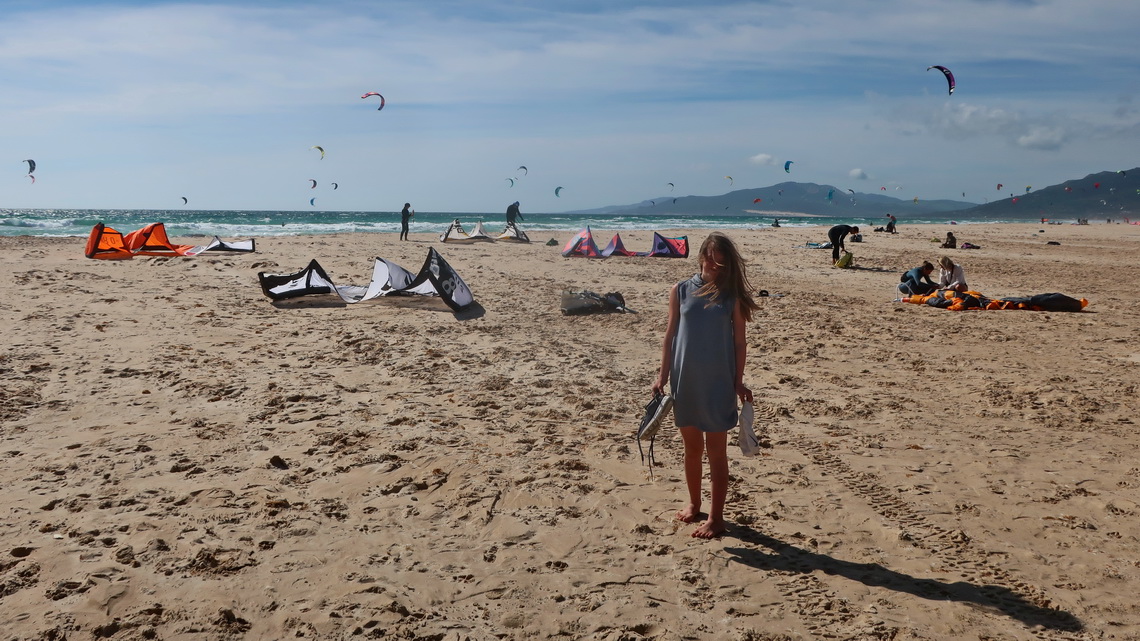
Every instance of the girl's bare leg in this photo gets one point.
(694, 458)
(716, 445)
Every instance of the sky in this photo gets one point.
(137, 105)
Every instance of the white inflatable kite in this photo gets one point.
(435, 278)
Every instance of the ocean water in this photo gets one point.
(245, 224)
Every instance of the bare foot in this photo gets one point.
(690, 514)
(710, 529)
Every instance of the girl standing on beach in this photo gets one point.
(702, 358)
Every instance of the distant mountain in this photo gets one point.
(1108, 194)
(788, 197)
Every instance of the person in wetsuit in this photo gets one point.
(836, 235)
(405, 217)
(513, 214)
(917, 281)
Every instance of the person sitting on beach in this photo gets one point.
(836, 235)
(951, 241)
(891, 225)
(951, 276)
(916, 282)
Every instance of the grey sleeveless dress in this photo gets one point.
(704, 362)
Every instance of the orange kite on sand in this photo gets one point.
(958, 301)
(108, 244)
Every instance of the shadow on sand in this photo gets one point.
(996, 598)
(425, 303)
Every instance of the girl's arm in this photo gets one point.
(667, 344)
(740, 342)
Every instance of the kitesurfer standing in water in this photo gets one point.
(406, 215)
(702, 359)
(513, 213)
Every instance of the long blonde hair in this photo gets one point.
(732, 279)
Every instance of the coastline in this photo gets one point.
(260, 224)
(187, 459)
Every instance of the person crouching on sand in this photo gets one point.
(702, 358)
(951, 276)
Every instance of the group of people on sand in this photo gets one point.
(407, 213)
(917, 282)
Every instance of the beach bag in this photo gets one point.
(656, 410)
(749, 442)
(845, 260)
(576, 303)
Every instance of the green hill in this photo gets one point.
(1108, 194)
(789, 197)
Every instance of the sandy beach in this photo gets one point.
(184, 459)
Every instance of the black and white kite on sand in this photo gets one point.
(456, 234)
(514, 234)
(435, 278)
(219, 245)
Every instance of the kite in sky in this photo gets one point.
(788, 166)
(729, 179)
(31, 166)
(512, 181)
(314, 183)
(557, 190)
(335, 186)
(670, 186)
(524, 169)
(373, 93)
(184, 201)
(945, 72)
(312, 200)
(320, 149)
(999, 187)
(33, 178)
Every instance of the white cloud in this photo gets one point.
(1042, 137)
(763, 159)
(857, 174)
